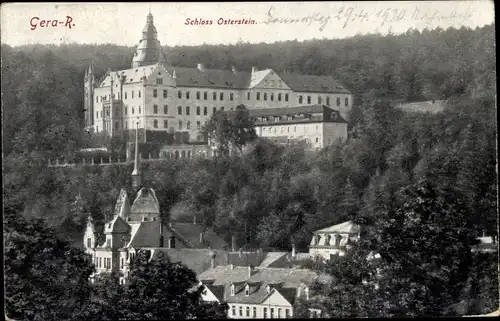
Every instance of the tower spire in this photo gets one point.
(137, 173)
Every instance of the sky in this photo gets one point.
(122, 23)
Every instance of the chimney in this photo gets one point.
(201, 67)
(161, 234)
(293, 250)
(254, 69)
(201, 238)
(233, 243)
(212, 259)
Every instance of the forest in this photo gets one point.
(272, 196)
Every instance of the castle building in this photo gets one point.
(169, 99)
(137, 226)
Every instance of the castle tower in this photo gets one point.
(137, 173)
(148, 51)
(89, 84)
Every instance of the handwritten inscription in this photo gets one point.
(36, 22)
(348, 14)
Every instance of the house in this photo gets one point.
(257, 292)
(334, 240)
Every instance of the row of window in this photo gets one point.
(284, 129)
(180, 123)
(279, 97)
(99, 263)
(320, 100)
(272, 314)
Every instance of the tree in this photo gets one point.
(45, 278)
(159, 289)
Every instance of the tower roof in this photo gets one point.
(148, 51)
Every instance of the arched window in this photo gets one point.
(183, 154)
(176, 154)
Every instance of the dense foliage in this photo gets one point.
(272, 195)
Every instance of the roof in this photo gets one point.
(145, 202)
(245, 258)
(116, 225)
(217, 291)
(311, 83)
(219, 78)
(198, 260)
(272, 257)
(289, 277)
(191, 233)
(430, 106)
(122, 207)
(323, 110)
(346, 227)
(148, 235)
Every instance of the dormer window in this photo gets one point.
(268, 289)
(247, 290)
(232, 289)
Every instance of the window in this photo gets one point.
(188, 110)
(122, 263)
(247, 290)
(241, 311)
(179, 94)
(231, 96)
(205, 111)
(180, 124)
(155, 123)
(279, 97)
(133, 110)
(155, 93)
(233, 308)
(205, 95)
(300, 99)
(215, 110)
(97, 99)
(272, 313)
(97, 129)
(214, 96)
(116, 125)
(279, 313)
(272, 97)
(188, 125)
(187, 94)
(287, 313)
(155, 109)
(254, 312)
(197, 95)
(165, 109)
(108, 242)
(258, 95)
(248, 311)
(338, 101)
(139, 109)
(125, 95)
(132, 94)
(165, 123)
(165, 93)
(319, 100)
(89, 242)
(97, 114)
(221, 96)
(179, 110)
(308, 99)
(126, 125)
(222, 108)
(248, 95)
(286, 97)
(159, 81)
(125, 110)
(347, 101)
(265, 313)
(328, 101)
(265, 96)
(198, 125)
(139, 92)
(198, 110)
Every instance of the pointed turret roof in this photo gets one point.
(149, 50)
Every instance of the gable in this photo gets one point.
(276, 298)
(270, 80)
